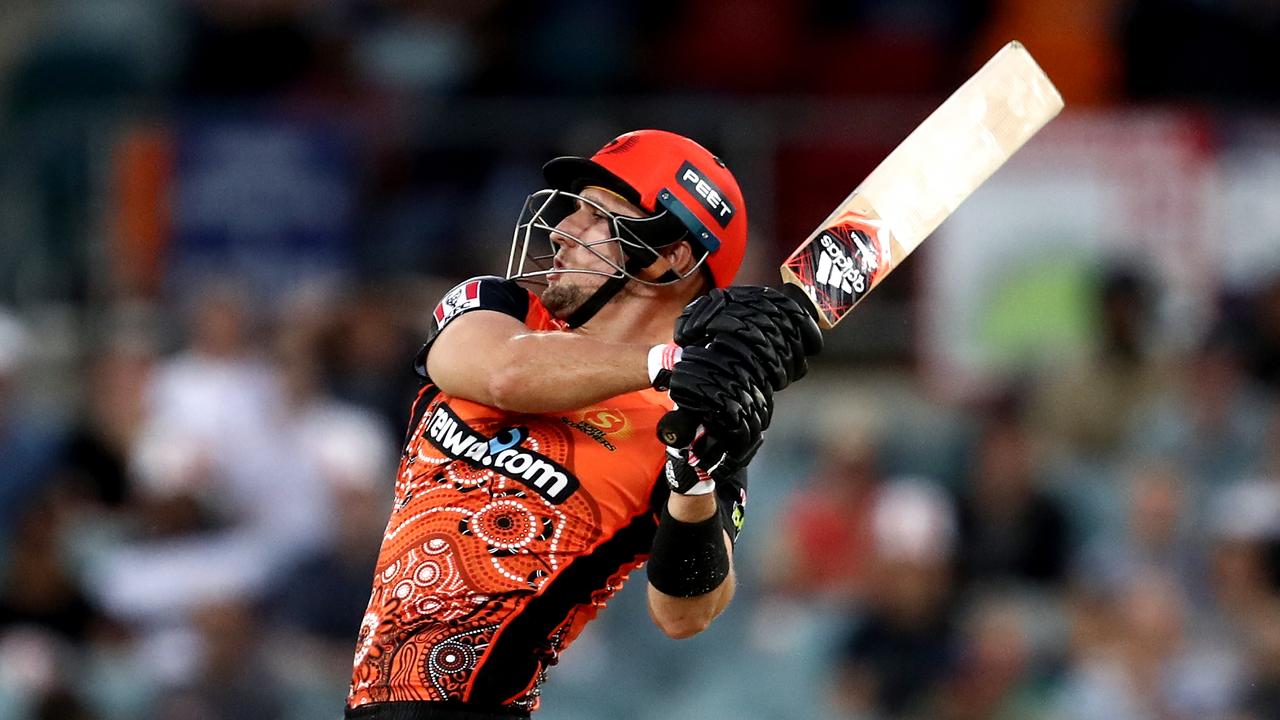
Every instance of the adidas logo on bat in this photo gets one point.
(836, 269)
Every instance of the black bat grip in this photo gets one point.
(678, 428)
(797, 294)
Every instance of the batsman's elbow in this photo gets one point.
(680, 627)
(506, 388)
(679, 618)
(513, 387)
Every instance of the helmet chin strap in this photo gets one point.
(598, 299)
(643, 263)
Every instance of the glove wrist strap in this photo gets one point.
(661, 359)
(684, 477)
(704, 486)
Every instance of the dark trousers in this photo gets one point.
(418, 710)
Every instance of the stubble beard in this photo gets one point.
(562, 299)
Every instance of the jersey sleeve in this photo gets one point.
(487, 292)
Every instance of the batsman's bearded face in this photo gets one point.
(586, 250)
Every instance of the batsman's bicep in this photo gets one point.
(470, 353)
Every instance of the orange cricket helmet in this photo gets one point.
(659, 170)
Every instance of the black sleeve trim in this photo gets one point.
(487, 292)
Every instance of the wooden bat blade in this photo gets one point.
(922, 182)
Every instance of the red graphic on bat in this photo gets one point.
(842, 262)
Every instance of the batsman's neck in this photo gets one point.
(638, 318)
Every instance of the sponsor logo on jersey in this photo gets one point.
(590, 431)
(463, 297)
(501, 453)
(607, 420)
(710, 196)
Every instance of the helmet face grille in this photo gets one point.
(544, 225)
(543, 215)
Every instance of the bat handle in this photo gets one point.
(678, 428)
(797, 294)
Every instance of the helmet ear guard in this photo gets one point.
(647, 237)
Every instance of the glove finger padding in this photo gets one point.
(714, 405)
(765, 330)
(697, 314)
(764, 369)
(762, 317)
(810, 333)
(718, 458)
(771, 367)
(787, 342)
(728, 404)
(692, 325)
(735, 422)
(801, 319)
(730, 407)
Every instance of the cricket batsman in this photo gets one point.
(532, 480)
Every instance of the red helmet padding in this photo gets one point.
(640, 165)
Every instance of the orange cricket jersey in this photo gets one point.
(508, 533)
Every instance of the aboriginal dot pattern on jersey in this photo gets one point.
(464, 549)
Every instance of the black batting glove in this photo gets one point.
(694, 470)
(772, 328)
(733, 407)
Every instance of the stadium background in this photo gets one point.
(1037, 475)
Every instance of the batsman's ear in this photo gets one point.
(680, 255)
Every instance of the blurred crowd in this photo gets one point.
(223, 233)
(1098, 539)
(198, 541)
(1101, 50)
(388, 166)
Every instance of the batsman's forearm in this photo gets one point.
(681, 617)
(555, 371)
(691, 508)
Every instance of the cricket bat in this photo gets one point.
(912, 191)
(922, 182)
